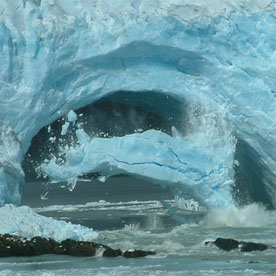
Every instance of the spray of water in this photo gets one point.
(253, 215)
(188, 204)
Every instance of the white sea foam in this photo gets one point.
(253, 215)
(23, 221)
(104, 205)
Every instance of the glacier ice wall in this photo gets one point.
(217, 56)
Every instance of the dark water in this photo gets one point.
(115, 189)
(121, 196)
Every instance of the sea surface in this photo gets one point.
(128, 214)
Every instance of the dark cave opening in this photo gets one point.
(250, 177)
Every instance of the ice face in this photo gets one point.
(217, 56)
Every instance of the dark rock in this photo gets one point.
(109, 252)
(226, 244)
(252, 246)
(138, 253)
(76, 248)
(18, 246)
(231, 244)
(14, 246)
(42, 245)
(253, 262)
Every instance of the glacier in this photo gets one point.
(217, 57)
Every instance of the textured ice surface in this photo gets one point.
(23, 221)
(155, 156)
(217, 56)
(11, 174)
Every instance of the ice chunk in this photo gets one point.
(155, 156)
(72, 117)
(23, 221)
(64, 128)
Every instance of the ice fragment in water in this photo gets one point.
(72, 117)
(64, 128)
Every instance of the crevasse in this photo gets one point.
(217, 56)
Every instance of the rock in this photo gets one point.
(253, 262)
(18, 246)
(109, 252)
(15, 246)
(76, 248)
(231, 244)
(226, 244)
(43, 246)
(252, 246)
(137, 253)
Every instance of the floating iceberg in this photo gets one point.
(217, 57)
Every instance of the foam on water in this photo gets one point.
(154, 270)
(103, 205)
(180, 251)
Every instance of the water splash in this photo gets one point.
(188, 204)
(253, 215)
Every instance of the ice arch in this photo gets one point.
(146, 66)
(58, 57)
(154, 137)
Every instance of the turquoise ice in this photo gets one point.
(217, 56)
